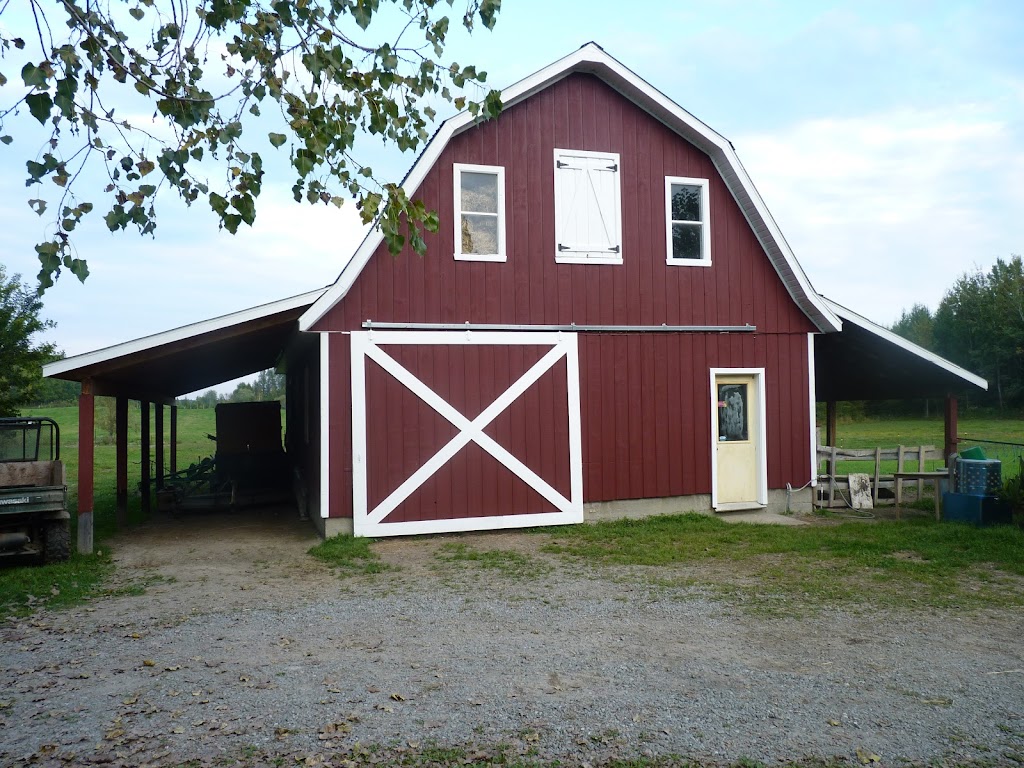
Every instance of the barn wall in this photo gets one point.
(580, 112)
(645, 397)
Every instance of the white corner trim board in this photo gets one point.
(370, 345)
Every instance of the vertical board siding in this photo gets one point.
(645, 399)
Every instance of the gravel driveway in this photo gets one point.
(243, 646)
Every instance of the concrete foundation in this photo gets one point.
(780, 502)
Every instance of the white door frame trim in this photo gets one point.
(367, 344)
(762, 439)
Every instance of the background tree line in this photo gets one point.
(979, 325)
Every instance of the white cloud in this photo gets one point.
(889, 209)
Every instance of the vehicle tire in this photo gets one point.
(56, 541)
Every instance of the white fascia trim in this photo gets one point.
(592, 58)
(850, 316)
(762, 441)
(179, 334)
(813, 398)
(705, 222)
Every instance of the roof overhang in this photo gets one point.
(163, 366)
(869, 362)
(592, 59)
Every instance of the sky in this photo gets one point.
(886, 138)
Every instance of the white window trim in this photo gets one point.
(613, 258)
(705, 207)
(499, 172)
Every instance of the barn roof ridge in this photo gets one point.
(593, 59)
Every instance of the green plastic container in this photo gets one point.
(977, 453)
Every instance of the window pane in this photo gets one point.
(479, 192)
(732, 412)
(686, 241)
(479, 233)
(685, 203)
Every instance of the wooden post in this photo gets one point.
(830, 437)
(950, 432)
(900, 457)
(144, 440)
(878, 466)
(920, 468)
(158, 421)
(174, 439)
(121, 450)
(86, 448)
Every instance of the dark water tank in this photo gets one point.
(979, 477)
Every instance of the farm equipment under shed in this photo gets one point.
(250, 467)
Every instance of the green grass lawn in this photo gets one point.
(775, 568)
(891, 432)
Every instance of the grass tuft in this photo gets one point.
(510, 564)
(350, 555)
(24, 590)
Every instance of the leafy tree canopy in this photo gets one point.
(916, 325)
(980, 325)
(21, 358)
(224, 81)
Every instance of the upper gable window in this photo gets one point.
(688, 218)
(479, 212)
(588, 211)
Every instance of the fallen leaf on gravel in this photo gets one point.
(866, 757)
(383, 708)
(148, 663)
(373, 689)
(282, 733)
(833, 722)
(116, 733)
(130, 701)
(172, 669)
(135, 636)
(6, 704)
(397, 697)
(532, 736)
(179, 729)
(243, 679)
(333, 729)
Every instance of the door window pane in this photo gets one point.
(732, 412)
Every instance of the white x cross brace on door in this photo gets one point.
(368, 344)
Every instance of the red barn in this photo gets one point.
(608, 315)
(608, 323)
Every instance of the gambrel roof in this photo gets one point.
(592, 59)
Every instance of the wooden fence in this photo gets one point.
(837, 486)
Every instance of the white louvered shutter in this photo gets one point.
(588, 218)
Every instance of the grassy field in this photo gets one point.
(890, 433)
(852, 554)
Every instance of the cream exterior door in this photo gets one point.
(737, 430)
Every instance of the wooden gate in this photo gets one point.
(464, 430)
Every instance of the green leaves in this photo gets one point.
(39, 104)
(197, 138)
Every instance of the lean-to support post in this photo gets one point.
(174, 439)
(950, 430)
(830, 433)
(144, 440)
(86, 449)
(158, 439)
(121, 449)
